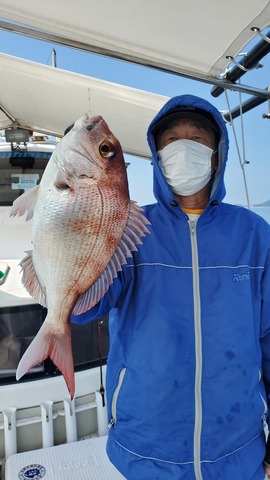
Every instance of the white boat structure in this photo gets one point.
(39, 426)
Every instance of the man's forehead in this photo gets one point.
(193, 122)
(201, 119)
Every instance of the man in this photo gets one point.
(188, 376)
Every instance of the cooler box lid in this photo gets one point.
(83, 460)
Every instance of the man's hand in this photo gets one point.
(267, 458)
(267, 469)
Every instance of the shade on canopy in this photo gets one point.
(48, 99)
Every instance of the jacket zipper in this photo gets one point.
(198, 353)
(113, 419)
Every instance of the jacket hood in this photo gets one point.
(162, 190)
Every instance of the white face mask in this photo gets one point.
(186, 165)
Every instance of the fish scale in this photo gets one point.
(84, 229)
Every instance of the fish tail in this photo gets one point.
(54, 345)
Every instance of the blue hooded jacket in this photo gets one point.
(188, 375)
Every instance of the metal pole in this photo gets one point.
(48, 37)
(249, 62)
(246, 107)
(54, 58)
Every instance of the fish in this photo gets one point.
(84, 229)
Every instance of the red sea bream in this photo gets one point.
(84, 229)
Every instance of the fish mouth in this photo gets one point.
(91, 122)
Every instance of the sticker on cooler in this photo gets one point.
(33, 472)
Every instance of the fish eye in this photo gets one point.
(106, 149)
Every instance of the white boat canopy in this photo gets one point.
(185, 37)
(189, 37)
(47, 99)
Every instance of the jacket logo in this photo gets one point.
(239, 277)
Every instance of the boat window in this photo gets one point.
(19, 171)
(20, 324)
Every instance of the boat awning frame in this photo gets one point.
(210, 37)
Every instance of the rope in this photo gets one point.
(242, 162)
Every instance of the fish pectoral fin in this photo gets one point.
(55, 346)
(30, 280)
(135, 229)
(25, 203)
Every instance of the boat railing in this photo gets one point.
(33, 420)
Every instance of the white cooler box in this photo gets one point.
(83, 460)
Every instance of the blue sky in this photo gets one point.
(256, 129)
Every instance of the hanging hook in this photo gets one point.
(258, 31)
(229, 57)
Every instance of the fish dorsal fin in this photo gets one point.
(135, 229)
(30, 280)
(25, 203)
